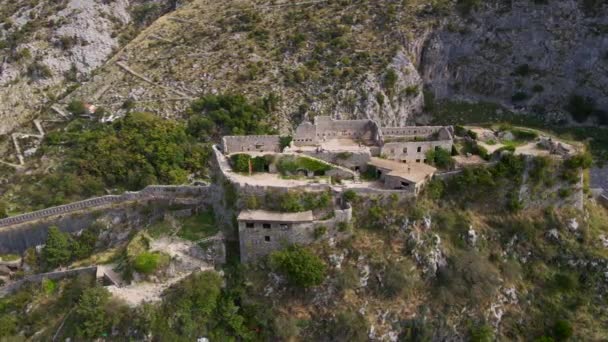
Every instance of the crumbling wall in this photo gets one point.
(251, 143)
(327, 128)
(352, 160)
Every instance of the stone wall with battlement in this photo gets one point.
(325, 128)
(57, 275)
(28, 230)
(410, 131)
(251, 143)
(412, 151)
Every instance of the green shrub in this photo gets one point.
(349, 196)
(319, 232)
(77, 107)
(293, 164)
(90, 316)
(580, 107)
(285, 141)
(348, 326)
(57, 250)
(150, 262)
(398, 279)
(213, 116)
(390, 81)
(562, 330)
(301, 267)
(440, 157)
(482, 333)
(524, 135)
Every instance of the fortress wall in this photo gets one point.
(306, 134)
(37, 278)
(254, 245)
(410, 131)
(346, 159)
(412, 151)
(22, 232)
(251, 143)
(351, 129)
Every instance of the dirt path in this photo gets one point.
(184, 261)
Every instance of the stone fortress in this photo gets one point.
(392, 158)
(329, 157)
(397, 154)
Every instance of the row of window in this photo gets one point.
(282, 226)
(419, 149)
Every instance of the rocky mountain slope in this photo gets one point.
(539, 55)
(48, 47)
(343, 58)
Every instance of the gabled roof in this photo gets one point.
(413, 172)
(275, 216)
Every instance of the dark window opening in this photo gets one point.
(266, 225)
(250, 225)
(267, 238)
(405, 184)
(419, 148)
(417, 160)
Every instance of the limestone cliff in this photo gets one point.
(534, 55)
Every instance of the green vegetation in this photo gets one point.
(150, 262)
(129, 154)
(77, 107)
(301, 267)
(294, 164)
(478, 184)
(483, 113)
(241, 162)
(440, 157)
(214, 116)
(297, 201)
(199, 226)
(56, 251)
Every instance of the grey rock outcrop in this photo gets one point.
(387, 103)
(543, 52)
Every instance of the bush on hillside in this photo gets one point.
(57, 250)
(299, 265)
(213, 116)
(440, 158)
(150, 262)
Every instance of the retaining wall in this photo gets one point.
(251, 143)
(21, 232)
(37, 278)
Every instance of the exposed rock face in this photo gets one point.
(544, 52)
(62, 41)
(390, 105)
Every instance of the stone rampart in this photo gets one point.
(251, 143)
(413, 151)
(37, 278)
(268, 236)
(152, 191)
(28, 230)
(410, 131)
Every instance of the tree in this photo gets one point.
(301, 267)
(440, 157)
(90, 312)
(57, 249)
(188, 307)
(3, 209)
